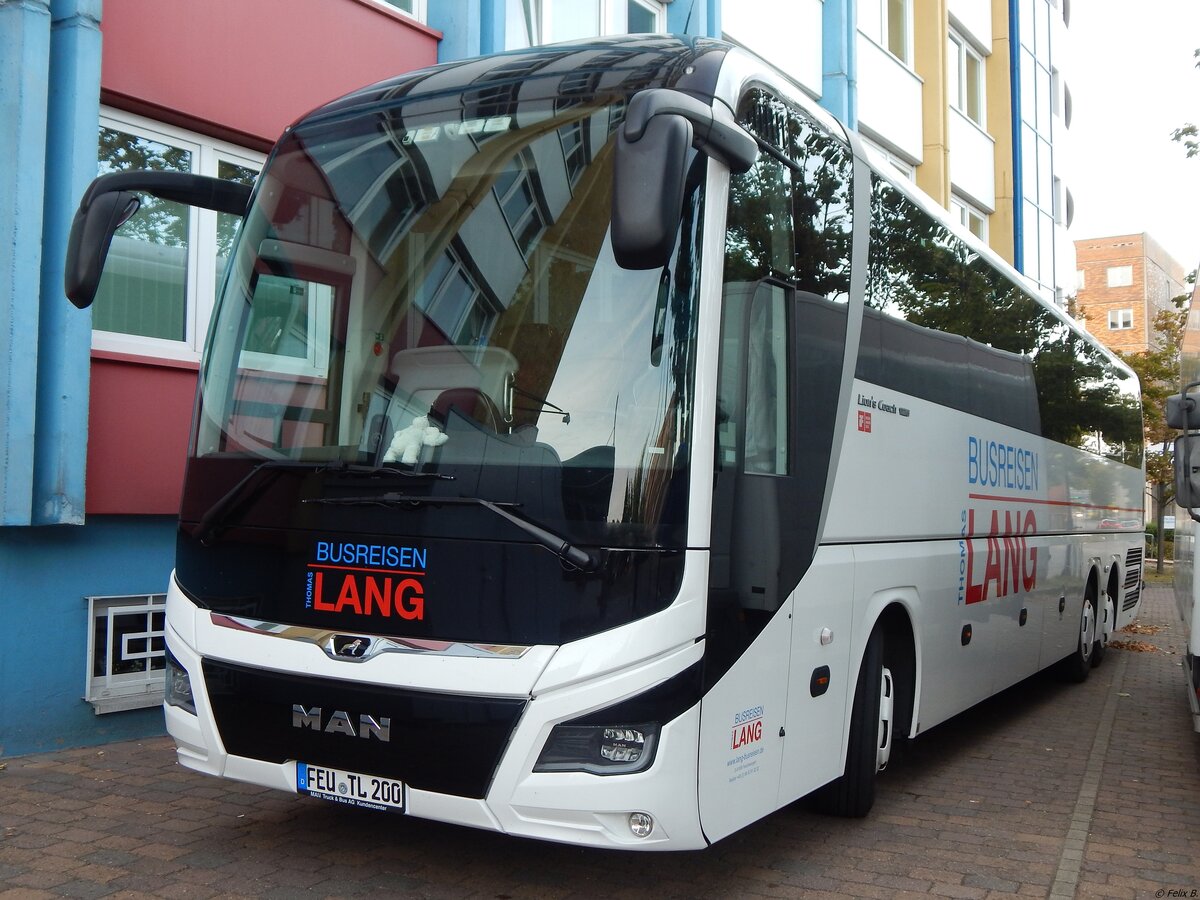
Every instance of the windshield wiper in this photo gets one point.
(573, 556)
(254, 482)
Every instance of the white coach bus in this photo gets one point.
(592, 444)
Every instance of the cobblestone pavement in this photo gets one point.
(1050, 789)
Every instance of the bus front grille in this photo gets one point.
(446, 743)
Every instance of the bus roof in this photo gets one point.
(608, 65)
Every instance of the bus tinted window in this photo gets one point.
(790, 214)
(936, 307)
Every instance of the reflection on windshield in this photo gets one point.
(927, 289)
(437, 291)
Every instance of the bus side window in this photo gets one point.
(766, 403)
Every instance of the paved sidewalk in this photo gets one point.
(1086, 790)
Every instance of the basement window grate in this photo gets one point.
(125, 652)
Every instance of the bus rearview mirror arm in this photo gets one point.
(650, 169)
(111, 200)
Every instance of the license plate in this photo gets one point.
(352, 788)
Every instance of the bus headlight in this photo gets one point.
(599, 749)
(179, 685)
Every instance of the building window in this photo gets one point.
(414, 8)
(519, 201)
(1120, 276)
(889, 24)
(1060, 201)
(1080, 280)
(886, 156)
(1120, 319)
(166, 263)
(971, 217)
(964, 69)
(642, 17)
(453, 301)
(126, 653)
(575, 152)
(532, 22)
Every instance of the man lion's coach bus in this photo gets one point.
(592, 444)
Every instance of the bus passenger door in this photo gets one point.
(748, 639)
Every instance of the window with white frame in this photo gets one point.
(520, 202)
(454, 302)
(889, 24)
(1120, 276)
(1120, 319)
(532, 22)
(971, 217)
(901, 165)
(1080, 280)
(414, 8)
(165, 264)
(965, 77)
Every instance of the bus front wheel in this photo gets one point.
(870, 741)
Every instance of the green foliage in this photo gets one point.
(921, 272)
(1158, 371)
(1188, 135)
(793, 219)
(157, 221)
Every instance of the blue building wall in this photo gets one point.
(477, 27)
(24, 77)
(64, 334)
(49, 103)
(839, 60)
(47, 573)
(49, 106)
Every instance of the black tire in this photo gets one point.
(1100, 649)
(1078, 665)
(853, 794)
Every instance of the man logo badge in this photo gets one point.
(341, 722)
(349, 646)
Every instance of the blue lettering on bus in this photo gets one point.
(379, 556)
(996, 465)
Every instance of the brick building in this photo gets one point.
(1123, 282)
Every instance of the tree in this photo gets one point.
(1158, 371)
(1189, 135)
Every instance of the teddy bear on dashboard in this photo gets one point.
(407, 442)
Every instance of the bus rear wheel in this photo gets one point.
(1104, 626)
(1077, 666)
(870, 742)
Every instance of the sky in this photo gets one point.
(1133, 81)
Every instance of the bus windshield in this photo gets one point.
(434, 291)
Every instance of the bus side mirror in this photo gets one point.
(87, 247)
(1180, 409)
(110, 201)
(650, 169)
(649, 177)
(1187, 471)
(1182, 413)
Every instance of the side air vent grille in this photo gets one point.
(1133, 579)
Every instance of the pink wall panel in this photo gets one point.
(140, 421)
(237, 70)
(245, 70)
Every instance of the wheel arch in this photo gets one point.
(894, 611)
